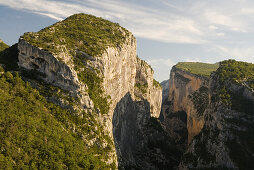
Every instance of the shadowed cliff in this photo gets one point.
(141, 141)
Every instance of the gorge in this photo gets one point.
(83, 76)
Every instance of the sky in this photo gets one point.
(167, 31)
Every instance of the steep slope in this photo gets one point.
(88, 65)
(34, 133)
(226, 141)
(187, 99)
(141, 140)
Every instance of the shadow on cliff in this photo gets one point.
(140, 140)
(175, 124)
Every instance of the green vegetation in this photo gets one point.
(182, 78)
(156, 83)
(142, 87)
(3, 46)
(143, 63)
(81, 32)
(94, 82)
(36, 134)
(155, 124)
(239, 73)
(224, 96)
(200, 100)
(198, 68)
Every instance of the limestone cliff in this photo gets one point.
(226, 141)
(98, 80)
(182, 86)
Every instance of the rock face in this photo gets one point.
(182, 86)
(126, 79)
(165, 89)
(53, 71)
(141, 141)
(226, 141)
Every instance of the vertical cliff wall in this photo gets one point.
(182, 86)
(100, 82)
(226, 141)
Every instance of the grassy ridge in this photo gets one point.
(198, 68)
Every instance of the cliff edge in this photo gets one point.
(93, 61)
(226, 140)
(187, 98)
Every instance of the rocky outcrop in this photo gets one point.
(147, 88)
(122, 73)
(53, 71)
(226, 141)
(187, 93)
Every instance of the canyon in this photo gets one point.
(202, 118)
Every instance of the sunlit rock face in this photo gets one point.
(182, 87)
(226, 140)
(122, 73)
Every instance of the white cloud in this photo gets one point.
(158, 62)
(220, 34)
(245, 53)
(172, 5)
(145, 22)
(174, 22)
(49, 15)
(219, 27)
(212, 27)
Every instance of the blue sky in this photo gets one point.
(167, 31)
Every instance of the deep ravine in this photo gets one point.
(76, 96)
